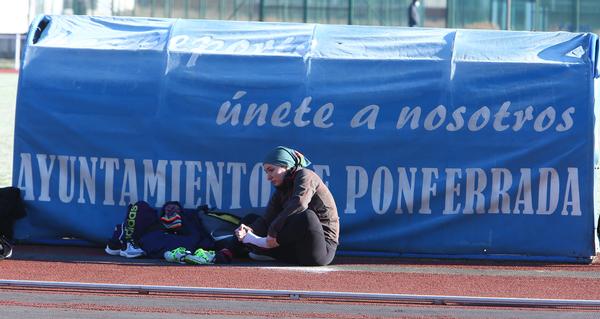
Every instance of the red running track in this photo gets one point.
(420, 277)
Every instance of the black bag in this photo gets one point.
(11, 209)
(220, 225)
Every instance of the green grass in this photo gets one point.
(8, 98)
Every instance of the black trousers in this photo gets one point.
(301, 241)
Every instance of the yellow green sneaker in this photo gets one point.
(200, 257)
(177, 255)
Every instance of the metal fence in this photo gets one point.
(531, 15)
(378, 12)
(540, 15)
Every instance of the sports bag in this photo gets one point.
(220, 225)
(11, 209)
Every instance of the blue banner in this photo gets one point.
(434, 142)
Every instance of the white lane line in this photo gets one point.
(314, 270)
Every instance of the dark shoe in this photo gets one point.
(259, 257)
(5, 248)
(115, 244)
(224, 256)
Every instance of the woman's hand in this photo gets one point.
(272, 242)
(242, 231)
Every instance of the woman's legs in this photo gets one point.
(302, 241)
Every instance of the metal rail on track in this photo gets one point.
(299, 294)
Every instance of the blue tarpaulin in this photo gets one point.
(434, 142)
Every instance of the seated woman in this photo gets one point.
(301, 223)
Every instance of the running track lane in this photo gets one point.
(530, 282)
